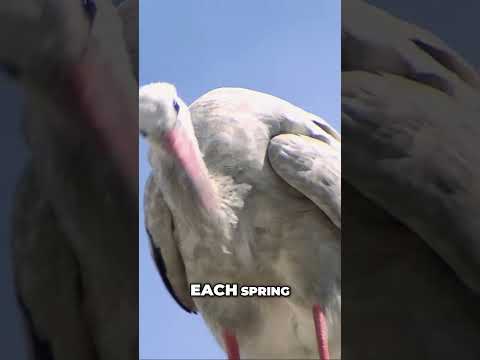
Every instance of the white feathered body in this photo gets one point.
(269, 233)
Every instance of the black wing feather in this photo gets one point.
(40, 349)
(162, 269)
(158, 259)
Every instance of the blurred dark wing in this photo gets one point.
(410, 151)
(410, 110)
(48, 280)
(160, 230)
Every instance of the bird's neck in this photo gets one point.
(192, 189)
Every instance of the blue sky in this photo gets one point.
(287, 48)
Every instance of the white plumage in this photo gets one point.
(245, 189)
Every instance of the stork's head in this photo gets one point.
(164, 120)
(160, 111)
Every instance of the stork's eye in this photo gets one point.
(176, 106)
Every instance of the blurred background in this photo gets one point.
(13, 157)
(290, 49)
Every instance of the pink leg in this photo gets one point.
(321, 331)
(232, 345)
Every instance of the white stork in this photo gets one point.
(245, 189)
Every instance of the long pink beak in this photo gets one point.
(182, 148)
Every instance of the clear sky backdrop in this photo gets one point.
(287, 48)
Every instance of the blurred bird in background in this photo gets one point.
(411, 249)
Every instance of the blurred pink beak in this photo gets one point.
(97, 92)
(104, 102)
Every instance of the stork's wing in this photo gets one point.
(313, 167)
(403, 49)
(160, 230)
